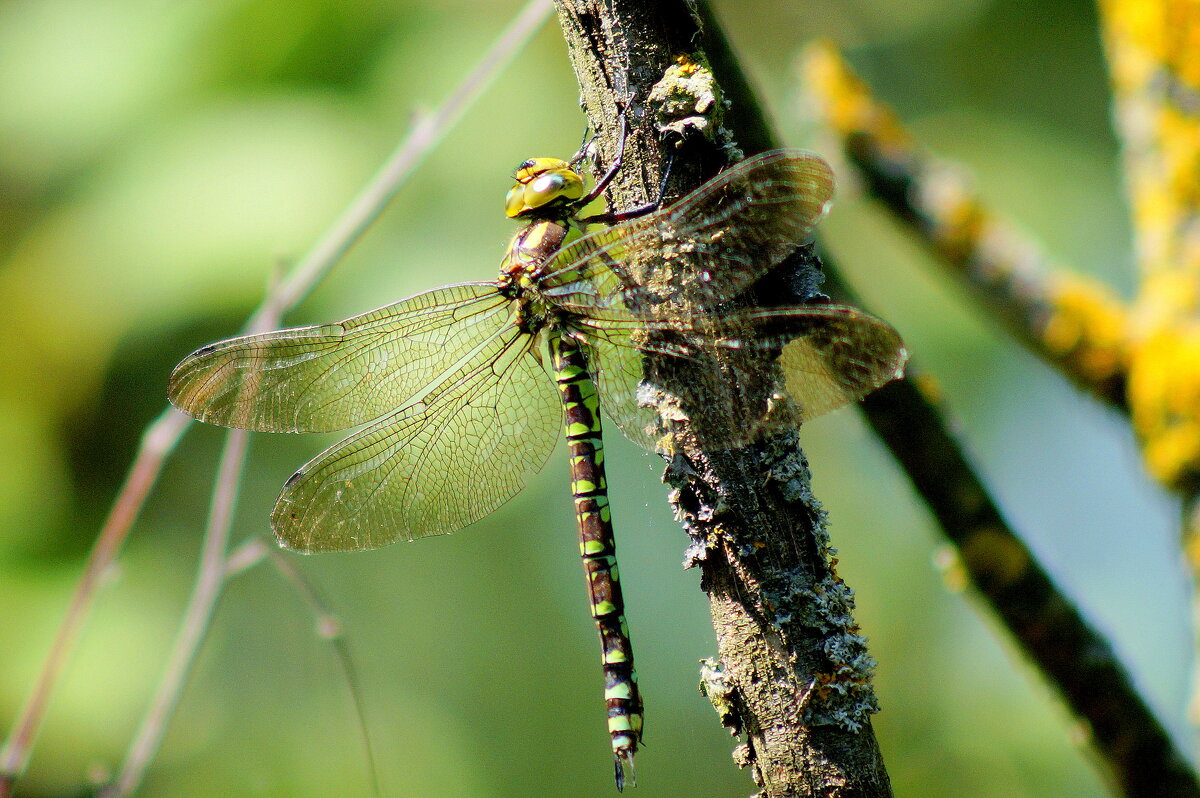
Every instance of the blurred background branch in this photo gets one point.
(1136, 751)
(1075, 324)
(1140, 357)
(1154, 64)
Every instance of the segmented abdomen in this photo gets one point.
(597, 546)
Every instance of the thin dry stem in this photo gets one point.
(429, 130)
(210, 577)
(246, 556)
(161, 437)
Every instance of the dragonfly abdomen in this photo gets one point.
(597, 546)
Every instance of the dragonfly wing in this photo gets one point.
(617, 364)
(334, 376)
(841, 356)
(704, 250)
(719, 395)
(830, 355)
(432, 467)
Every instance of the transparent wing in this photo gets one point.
(830, 355)
(433, 467)
(616, 364)
(843, 354)
(334, 376)
(705, 249)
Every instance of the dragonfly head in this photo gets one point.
(544, 187)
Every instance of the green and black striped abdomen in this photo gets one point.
(597, 545)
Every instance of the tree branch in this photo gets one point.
(793, 672)
(1137, 753)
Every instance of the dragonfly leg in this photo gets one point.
(613, 217)
(597, 546)
(622, 137)
(582, 152)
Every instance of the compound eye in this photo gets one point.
(544, 187)
(514, 202)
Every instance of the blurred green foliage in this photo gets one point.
(159, 161)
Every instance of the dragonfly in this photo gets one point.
(465, 389)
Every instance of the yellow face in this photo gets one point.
(542, 183)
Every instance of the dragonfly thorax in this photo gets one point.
(533, 246)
